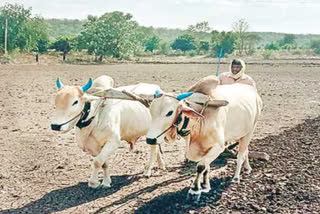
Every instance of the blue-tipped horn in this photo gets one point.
(184, 95)
(158, 94)
(87, 86)
(59, 83)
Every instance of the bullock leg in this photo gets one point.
(106, 176)
(247, 164)
(153, 156)
(187, 141)
(206, 180)
(242, 156)
(108, 149)
(195, 189)
(93, 180)
(204, 166)
(161, 163)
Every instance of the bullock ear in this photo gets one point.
(190, 112)
(89, 98)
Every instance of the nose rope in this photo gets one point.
(175, 124)
(83, 116)
(59, 125)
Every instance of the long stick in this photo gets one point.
(220, 56)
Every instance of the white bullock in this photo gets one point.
(101, 124)
(208, 127)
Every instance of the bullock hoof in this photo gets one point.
(147, 174)
(163, 167)
(248, 171)
(205, 188)
(94, 184)
(236, 180)
(106, 183)
(194, 195)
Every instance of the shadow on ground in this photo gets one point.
(62, 199)
(177, 202)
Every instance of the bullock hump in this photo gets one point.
(205, 85)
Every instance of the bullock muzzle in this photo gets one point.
(152, 141)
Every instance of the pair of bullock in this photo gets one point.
(207, 116)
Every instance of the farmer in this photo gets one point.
(236, 74)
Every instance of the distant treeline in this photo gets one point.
(73, 27)
(118, 35)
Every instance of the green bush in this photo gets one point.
(266, 54)
(164, 48)
(184, 43)
(192, 53)
(204, 46)
(272, 46)
(315, 46)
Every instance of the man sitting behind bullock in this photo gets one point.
(236, 74)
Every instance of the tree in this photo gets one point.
(41, 47)
(23, 30)
(288, 39)
(152, 44)
(240, 28)
(63, 44)
(164, 48)
(315, 45)
(144, 34)
(251, 42)
(36, 33)
(184, 43)
(113, 34)
(272, 46)
(200, 27)
(204, 46)
(225, 40)
(286, 43)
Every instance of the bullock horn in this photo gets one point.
(59, 83)
(158, 94)
(87, 86)
(184, 95)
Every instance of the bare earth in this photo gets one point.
(43, 172)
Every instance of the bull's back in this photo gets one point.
(135, 117)
(242, 111)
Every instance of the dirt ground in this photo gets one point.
(44, 172)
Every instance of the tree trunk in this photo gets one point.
(37, 57)
(64, 56)
(100, 58)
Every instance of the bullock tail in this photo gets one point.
(259, 107)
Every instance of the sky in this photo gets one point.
(288, 16)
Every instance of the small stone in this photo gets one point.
(255, 207)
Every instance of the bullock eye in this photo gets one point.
(75, 103)
(169, 113)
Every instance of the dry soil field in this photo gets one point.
(43, 172)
